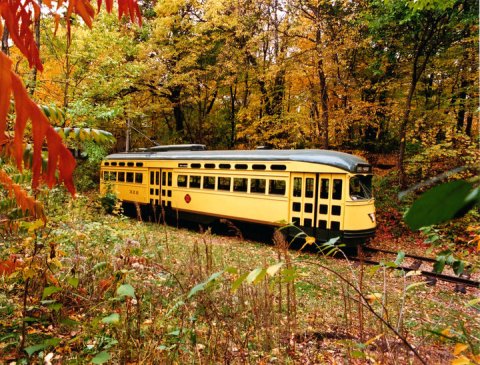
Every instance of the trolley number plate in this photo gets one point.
(133, 192)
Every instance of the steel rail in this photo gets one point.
(421, 258)
(443, 277)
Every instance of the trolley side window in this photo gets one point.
(224, 183)
(297, 187)
(309, 187)
(121, 176)
(182, 181)
(195, 181)
(130, 177)
(337, 189)
(324, 188)
(277, 187)
(209, 182)
(257, 186)
(240, 184)
(138, 177)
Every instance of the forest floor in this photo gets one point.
(95, 288)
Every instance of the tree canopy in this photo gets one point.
(372, 76)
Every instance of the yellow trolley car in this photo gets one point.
(325, 193)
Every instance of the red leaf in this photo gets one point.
(6, 82)
(25, 109)
(18, 19)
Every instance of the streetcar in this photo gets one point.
(324, 193)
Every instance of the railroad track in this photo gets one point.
(461, 281)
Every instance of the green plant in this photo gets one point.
(110, 202)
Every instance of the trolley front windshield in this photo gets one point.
(361, 187)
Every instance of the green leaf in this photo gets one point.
(126, 290)
(442, 203)
(389, 264)
(73, 281)
(176, 306)
(197, 288)
(101, 357)
(261, 276)
(458, 266)
(289, 275)
(49, 290)
(473, 302)
(372, 270)
(100, 266)
(30, 350)
(439, 265)
(231, 270)
(236, 284)
(400, 258)
(51, 342)
(55, 306)
(357, 354)
(69, 322)
(414, 285)
(202, 286)
(272, 270)
(111, 319)
(256, 275)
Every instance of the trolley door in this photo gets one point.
(330, 202)
(154, 186)
(302, 203)
(166, 190)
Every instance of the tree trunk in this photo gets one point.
(174, 98)
(179, 117)
(403, 133)
(232, 117)
(33, 81)
(67, 72)
(278, 94)
(468, 128)
(323, 103)
(5, 41)
(417, 70)
(462, 95)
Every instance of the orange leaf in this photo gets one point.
(85, 10)
(18, 19)
(8, 266)
(24, 201)
(6, 82)
(58, 155)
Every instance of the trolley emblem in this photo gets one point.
(188, 198)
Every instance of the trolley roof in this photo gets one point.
(341, 160)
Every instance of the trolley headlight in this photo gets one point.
(372, 217)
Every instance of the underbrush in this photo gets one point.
(95, 288)
(459, 237)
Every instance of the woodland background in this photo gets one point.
(365, 76)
